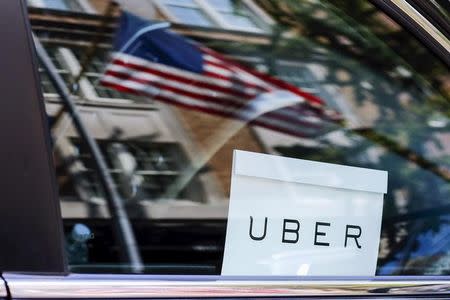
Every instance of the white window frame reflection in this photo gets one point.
(250, 14)
(169, 5)
(85, 87)
(89, 81)
(261, 19)
(47, 86)
(82, 5)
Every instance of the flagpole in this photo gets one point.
(142, 31)
(121, 223)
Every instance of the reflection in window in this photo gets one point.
(58, 61)
(188, 12)
(67, 5)
(57, 4)
(303, 77)
(212, 13)
(142, 171)
(392, 93)
(93, 71)
(236, 14)
(74, 57)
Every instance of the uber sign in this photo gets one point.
(296, 217)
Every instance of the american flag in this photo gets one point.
(151, 60)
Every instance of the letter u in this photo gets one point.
(257, 238)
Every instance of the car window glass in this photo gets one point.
(167, 136)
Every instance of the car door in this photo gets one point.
(144, 180)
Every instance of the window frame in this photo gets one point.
(84, 5)
(172, 154)
(168, 12)
(262, 19)
(72, 67)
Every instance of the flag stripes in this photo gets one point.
(222, 89)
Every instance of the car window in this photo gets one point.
(167, 119)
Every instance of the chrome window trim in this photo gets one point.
(423, 23)
(434, 13)
(418, 25)
(152, 286)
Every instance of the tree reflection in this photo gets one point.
(405, 129)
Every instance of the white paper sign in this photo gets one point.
(297, 217)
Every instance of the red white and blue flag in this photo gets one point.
(151, 60)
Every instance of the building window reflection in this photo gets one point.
(93, 70)
(65, 5)
(226, 14)
(188, 12)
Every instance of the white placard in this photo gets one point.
(297, 217)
